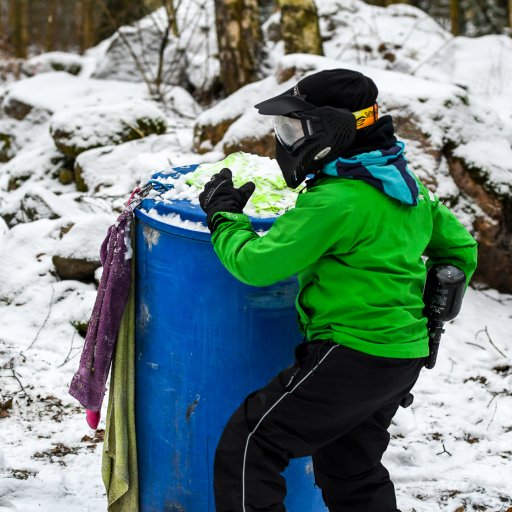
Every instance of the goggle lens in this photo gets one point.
(288, 130)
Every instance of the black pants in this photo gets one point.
(335, 404)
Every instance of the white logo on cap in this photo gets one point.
(296, 91)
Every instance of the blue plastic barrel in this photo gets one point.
(203, 342)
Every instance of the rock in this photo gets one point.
(75, 268)
(189, 59)
(6, 147)
(35, 207)
(15, 108)
(31, 206)
(77, 254)
(47, 93)
(207, 135)
(76, 131)
(36, 163)
(481, 182)
(66, 176)
(213, 124)
(54, 61)
(115, 170)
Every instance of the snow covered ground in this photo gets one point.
(451, 451)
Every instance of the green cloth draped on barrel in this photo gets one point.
(119, 464)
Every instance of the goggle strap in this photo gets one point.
(366, 116)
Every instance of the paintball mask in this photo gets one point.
(309, 134)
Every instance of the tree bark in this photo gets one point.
(51, 26)
(18, 14)
(455, 17)
(509, 12)
(240, 41)
(88, 25)
(299, 24)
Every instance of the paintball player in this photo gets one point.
(355, 239)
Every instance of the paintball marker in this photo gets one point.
(444, 289)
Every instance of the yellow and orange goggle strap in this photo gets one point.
(366, 116)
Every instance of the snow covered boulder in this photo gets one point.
(76, 131)
(186, 56)
(253, 133)
(115, 170)
(53, 61)
(31, 206)
(47, 93)
(482, 170)
(16, 108)
(78, 254)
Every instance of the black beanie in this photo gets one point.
(341, 88)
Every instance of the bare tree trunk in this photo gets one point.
(18, 14)
(51, 25)
(455, 17)
(509, 13)
(299, 25)
(88, 28)
(4, 29)
(239, 38)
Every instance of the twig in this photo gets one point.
(490, 341)
(45, 320)
(136, 129)
(10, 366)
(67, 358)
(501, 301)
(444, 451)
(474, 344)
(493, 414)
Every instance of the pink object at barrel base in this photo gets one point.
(93, 418)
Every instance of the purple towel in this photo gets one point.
(89, 382)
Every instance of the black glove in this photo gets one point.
(219, 195)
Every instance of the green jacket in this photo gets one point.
(358, 257)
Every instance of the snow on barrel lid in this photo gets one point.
(174, 199)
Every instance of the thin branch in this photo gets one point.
(444, 451)
(474, 344)
(45, 320)
(501, 301)
(67, 358)
(128, 46)
(161, 51)
(493, 414)
(490, 341)
(10, 366)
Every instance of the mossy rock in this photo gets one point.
(207, 135)
(81, 186)
(79, 130)
(261, 146)
(72, 69)
(6, 149)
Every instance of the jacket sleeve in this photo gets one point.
(451, 243)
(296, 239)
